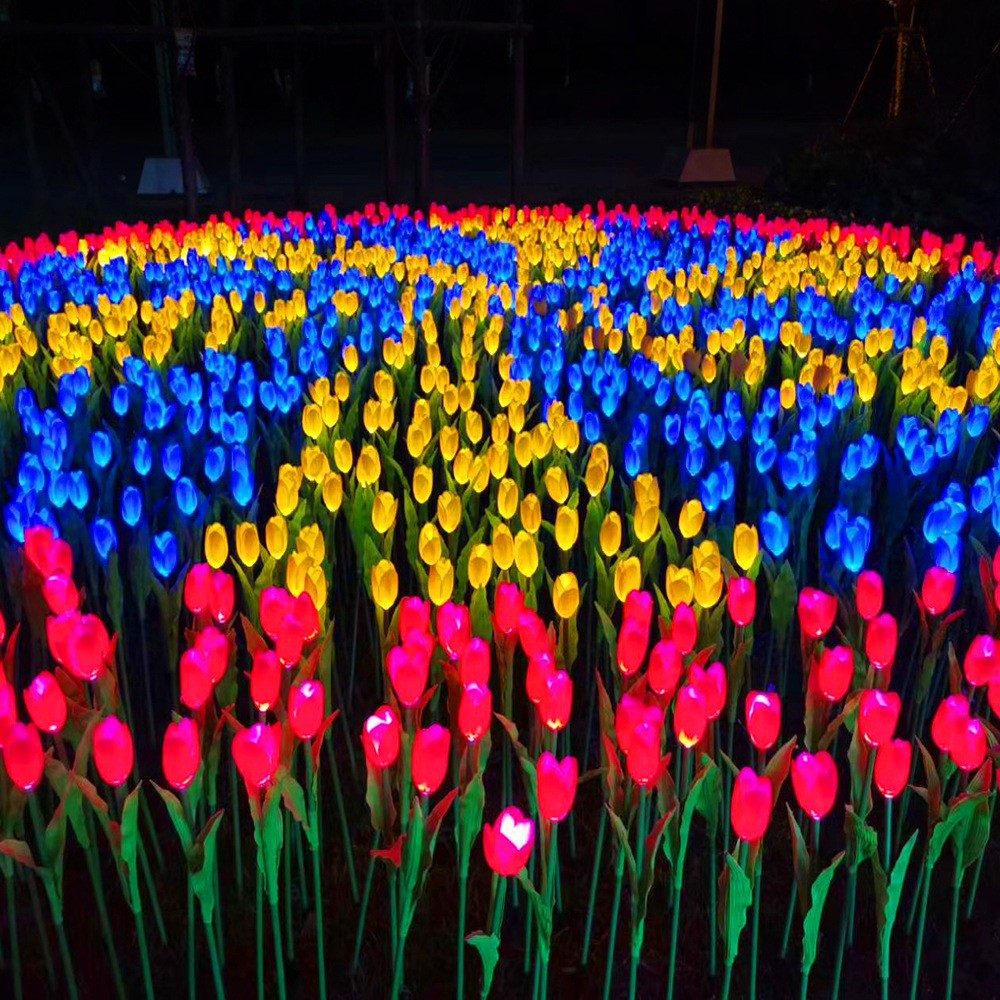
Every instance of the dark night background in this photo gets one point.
(608, 91)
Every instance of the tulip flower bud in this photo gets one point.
(690, 716)
(380, 738)
(87, 647)
(982, 661)
(23, 757)
(532, 633)
(632, 641)
(414, 616)
(508, 842)
(214, 647)
(817, 612)
(306, 708)
(557, 700)
(114, 754)
(628, 715)
(666, 667)
(938, 590)
(508, 605)
(8, 707)
(408, 671)
(431, 747)
(639, 608)
(3, 628)
(196, 679)
(556, 786)
(968, 745)
(181, 753)
(247, 543)
(256, 752)
(566, 595)
(60, 594)
(752, 801)
(454, 628)
(223, 597)
(46, 703)
(712, 684)
(878, 715)
(216, 545)
(814, 781)
(540, 667)
(951, 715)
(869, 595)
(643, 759)
(475, 712)
(880, 641)
(741, 601)
(275, 607)
(746, 545)
(610, 537)
(684, 629)
(384, 584)
(763, 716)
(474, 663)
(834, 672)
(265, 680)
(892, 767)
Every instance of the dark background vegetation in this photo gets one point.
(608, 86)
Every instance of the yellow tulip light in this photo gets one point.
(423, 483)
(597, 469)
(385, 584)
(295, 573)
(247, 543)
(531, 513)
(333, 491)
(628, 577)
(565, 595)
(503, 547)
(449, 512)
(429, 544)
(311, 542)
(707, 586)
(692, 518)
(611, 534)
(680, 585)
(507, 498)
(646, 522)
(746, 545)
(441, 582)
(567, 528)
(343, 456)
(384, 512)
(369, 466)
(216, 546)
(276, 536)
(525, 554)
(480, 566)
(556, 484)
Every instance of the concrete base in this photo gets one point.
(162, 175)
(708, 166)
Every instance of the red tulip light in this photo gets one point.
(892, 767)
(475, 712)
(181, 753)
(869, 594)
(306, 708)
(951, 715)
(256, 752)
(628, 715)
(557, 783)
(817, 612)
(408, 671)
(938, 590)
(265, 680)
(454, 628)
(380, 738)
(741, 600)
(532, 633)
(666, 667)
(46, 554)
(751, 805)
(814, 781)
(834, 672)
(114, 753)
(557, 700)
(878, 715)
(8, 707)
(275, 606)
(639, 608)
(633, 638)
(414, 616)
(982, 661)
(684, 628)
(23, 756)
(690, 716)
(508, 842)
(509, 605)
(198, 588)
(88, 647)
(643, 759)
(539, 669)
(214, 647)
(430, 758)
(763, 715)
(60, 594)
(881, 639)
(968, 746)
(223, 597)
(196, 679)
(712, 684)
(3, 629)
(46, 703)
(474, 663)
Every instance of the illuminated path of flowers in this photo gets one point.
(677, 452)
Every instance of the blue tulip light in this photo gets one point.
(131, 506)
(163, 554)
(775, 532)
(102, 533)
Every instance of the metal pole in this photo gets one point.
(714, 89)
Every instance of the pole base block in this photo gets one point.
(708, 166)
(161, 175)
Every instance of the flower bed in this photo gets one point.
(558, 540)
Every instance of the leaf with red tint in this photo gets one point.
(394, 854)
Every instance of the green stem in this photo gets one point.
(713, 887)
(637, 924)
(463, 885)
(345, 831)
(151, 889)
(598, 851)
(192, 980)
(317, 874)
(919, 948)
(529, 919)
(845, 919)
(286, 867)
(279, 955)
(234, 796)
(956, 905)
(789, 916)
(15, 950)
(979, 867)
(213, 954)
(140, 933)
(727, 980)
(804, 988)
(43, 935)
(551, 876)
(97, 881)
(498, 912)
(887, 855)
(675, 922)
(755, 927)
(613, 932)
(363, 914)
(260, 935)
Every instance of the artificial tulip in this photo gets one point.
(431, 747)
(306, 708)
(881, 639)
(88, 647)
(878, 715)
(752, 802)
(835, 672)
(712, 684)
(892, 767)
(114, 753)
(633, 638)
(60, 594)
(214, 647)
(540, 667)
(741, 600)
(869, 595)
(265, 680)
(196, 679)
(951, 715)
(474, 663)
(643, 759)
(557, 783)
(684, 629)
(508, 842)
(408, 672)
(938, 590)
(198, 588)
(46, 703)
(181, 753)
(454, 628)
(968, 745)
(639, 608)
(475, 712)
(628, 715)
(532, 634)
(557, 700)
(690, 716)
(814, 781)
(817, 612)
(982, 661)
(666, 667)
(256, 751)
(414, 616)
(508, 605)
(380, 737)
(763, 716)
(23, 757)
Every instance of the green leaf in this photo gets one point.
(932, 793)
(888, 896)
(543, 914)
(977, 832)
(175, 810)
(19, 851)
(269, 836)
(619, 827)
(679, 832)
(130, 848)
(201, 866)
(800, 860)
(294, 797)
(527, 764)
(735, 896)
(488, 947)
(470, 818)
(814, 915)
(784, 595)
(608, 629)
(710, 798)
(862, 840)
(778, 767)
